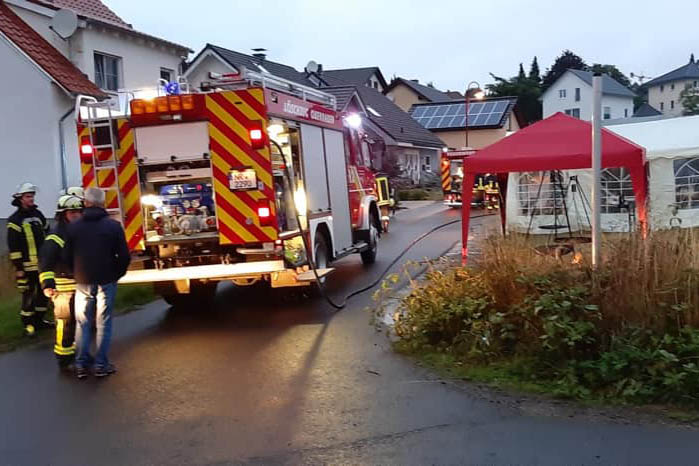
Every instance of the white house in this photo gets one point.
(572, 95)
(664, 91)
(44, 73)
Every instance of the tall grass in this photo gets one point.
(650, 283)
(7, 278)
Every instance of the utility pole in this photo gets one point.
(596, 169)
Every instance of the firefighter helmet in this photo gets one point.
(69, 202)
(76, 191)
(24, 188)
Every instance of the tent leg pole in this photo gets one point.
(596, 169)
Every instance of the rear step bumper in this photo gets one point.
(280, 275)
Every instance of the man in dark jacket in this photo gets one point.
(57, 279)
(100, 258)
(26, 229)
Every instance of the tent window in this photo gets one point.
(616, 188)
(687, 183)
(533, 202)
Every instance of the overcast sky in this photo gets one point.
(447, 42)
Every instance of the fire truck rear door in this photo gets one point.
(339, 195)
(315, 178)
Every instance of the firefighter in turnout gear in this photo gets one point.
(26, 229)
(57, 278)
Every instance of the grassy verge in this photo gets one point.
(128, 299)
(626, 332)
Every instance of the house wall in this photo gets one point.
(29, 138)
(141, 58)
(404, 97)
(196, 75)
(477, 138)
(375, 83)
(553, 103)
(670, 93)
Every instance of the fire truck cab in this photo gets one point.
(233, 183)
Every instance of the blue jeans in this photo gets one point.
(93, 305)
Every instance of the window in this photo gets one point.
(373, 112)
(535, 193)
(662, 106)
(626, 113)
(577, 94)
(428, 164)
(166, 74)
(687, 183)
(562, 93)
(696, 83)
(672, 87)
(107, 71)
(672, 104)
(616, 189)
(574, 112)
(607, 113)
(662, 88)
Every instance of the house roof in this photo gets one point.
(394, 121)
(343, 94)
(95, 11)
(688, 71)
(426, 92)
(610, 86)
(646, 110)
(357, 76)
(45, 55)
(237, 59)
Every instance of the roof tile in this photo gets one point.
(94, 9)
(44, 54)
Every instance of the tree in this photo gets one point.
(613, 72)
(521, 73)
(689, 98)
(525, 89)
(567, 60)
(534, 73)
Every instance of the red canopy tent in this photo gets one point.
(559, 142)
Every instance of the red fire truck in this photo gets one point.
(226, 184)
(486, 191)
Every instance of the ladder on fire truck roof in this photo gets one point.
(270, 81)
(104, 156)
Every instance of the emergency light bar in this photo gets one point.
(164, 104)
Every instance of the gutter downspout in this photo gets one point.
(62, 144)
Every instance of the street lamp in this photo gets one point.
(473, 90)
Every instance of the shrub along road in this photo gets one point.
(265, 378)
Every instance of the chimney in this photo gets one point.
(691, 59)
(260, 54)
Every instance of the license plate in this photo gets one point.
(241, 180)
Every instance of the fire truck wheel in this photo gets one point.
(320, 252)
(369, 256)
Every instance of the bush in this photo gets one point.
(413, 195)
(628, 330)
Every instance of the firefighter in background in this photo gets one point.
(26, 229)
(492, 192)
(57, 279)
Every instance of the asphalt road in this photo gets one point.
(267, 379)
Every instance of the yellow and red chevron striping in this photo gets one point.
(230, 116)
(446, 174)
(129, 186)
(86, 169)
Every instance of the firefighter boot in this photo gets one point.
(64, 347)
(27, 313)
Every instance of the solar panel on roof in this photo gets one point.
(418, 112)
(453, 115)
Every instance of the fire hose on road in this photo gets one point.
(311, 260)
